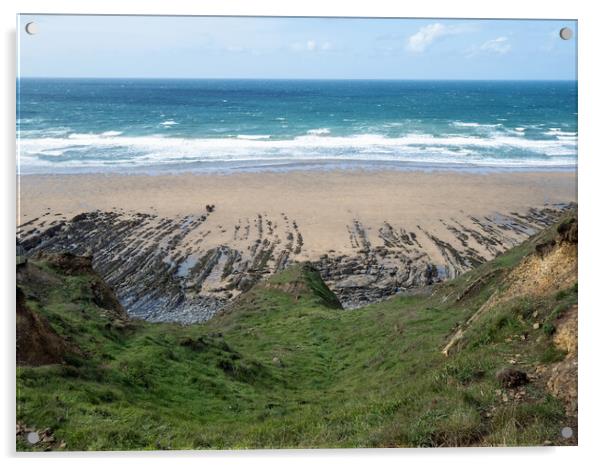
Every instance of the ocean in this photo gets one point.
(140, 125)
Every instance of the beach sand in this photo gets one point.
(323, 204)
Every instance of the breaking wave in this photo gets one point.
(111, 148)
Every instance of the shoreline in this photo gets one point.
(302, 167)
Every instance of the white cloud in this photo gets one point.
(426, 35)
(311, 45)
(500, 45)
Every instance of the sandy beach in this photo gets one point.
(323, 204)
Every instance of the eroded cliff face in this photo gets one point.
(552, 267)
(37, 341)
(542, 276)
(173, 269)
(561, 377)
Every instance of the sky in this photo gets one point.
(288, 48)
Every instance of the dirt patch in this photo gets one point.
(37, 343)
(543, 274)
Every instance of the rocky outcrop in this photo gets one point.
(173, 269)
(407, 260)
(159, 267)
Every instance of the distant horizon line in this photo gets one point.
(291, 79)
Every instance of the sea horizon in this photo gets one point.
(176, 78)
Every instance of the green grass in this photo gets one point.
(288, 370)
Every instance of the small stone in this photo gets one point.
(33, 437)
(505, 398)
(566, 432)
(536, 325)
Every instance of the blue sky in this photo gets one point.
(197, 47)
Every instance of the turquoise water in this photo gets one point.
(74, 125)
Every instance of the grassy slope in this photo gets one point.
(284, 368)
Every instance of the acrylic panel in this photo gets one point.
(265, 232)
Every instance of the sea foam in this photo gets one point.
(102, 150)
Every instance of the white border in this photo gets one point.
(590, 173)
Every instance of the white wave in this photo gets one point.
(560, 133)
(244, 142)
(520, 129)
(83, 136)
(463, 124)
(89, 136)
(319, 131)
(252, 137)
(54, 153)
(500, 149)
(169, 123)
